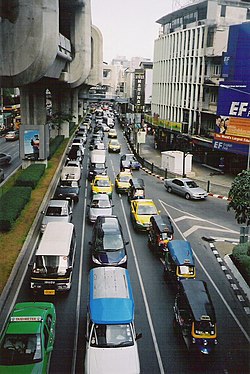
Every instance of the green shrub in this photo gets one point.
(54, 144)
(241, 258)
(11, 205)
(31, 175)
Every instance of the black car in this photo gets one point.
(96, 168)
(108, 246)
(68, 190)
(75, 154)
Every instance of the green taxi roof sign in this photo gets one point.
(26, 319)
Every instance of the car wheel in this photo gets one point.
(187, 196)
(169, 189)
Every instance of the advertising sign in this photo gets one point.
(31, 144)
(232, 127)
(34, 142)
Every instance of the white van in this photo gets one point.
(71, 173)
(54, 259)
(97, 156)
(111, 346)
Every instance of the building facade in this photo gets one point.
(188, 57)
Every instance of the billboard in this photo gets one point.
(232, 127)
(34, 142)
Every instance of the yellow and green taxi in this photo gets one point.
(102, 184)
(114, 146)
(140, 212)
(28, 338)
(122, 182)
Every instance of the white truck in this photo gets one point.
(97, 156)
(71, 173)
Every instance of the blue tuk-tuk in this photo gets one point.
(179, 261)
(194, 316)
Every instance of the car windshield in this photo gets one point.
(102, 183)
(125, 178)
(111, 336)
(100, 204)
(17, 349)
(166, 235)
(99, 166)
(56, 211)
(112, 242)
(204, 327)
(146, 209)
(191, 184)
(51, 264)
(186, 270)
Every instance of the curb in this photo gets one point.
(219, 196)
(242, 292)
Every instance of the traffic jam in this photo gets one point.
(111, 337)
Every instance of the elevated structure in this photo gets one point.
(49, 45)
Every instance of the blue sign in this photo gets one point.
(234, 100)
(238, 148)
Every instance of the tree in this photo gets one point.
(239, 195)
(58, 118)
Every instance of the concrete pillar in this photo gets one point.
(80, 108)
(61, 108)
(33, 105)
(75, 105)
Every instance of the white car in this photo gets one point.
(185, 187)
(100, 206)
(57, 211)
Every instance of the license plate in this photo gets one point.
(49, 292)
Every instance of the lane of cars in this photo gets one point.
(105, 252)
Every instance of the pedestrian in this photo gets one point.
(35, 145)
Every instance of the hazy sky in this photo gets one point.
(129, 27)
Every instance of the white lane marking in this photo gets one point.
(191, 215)
(195, 228)
(150, 321)
(182, 218)
(212, 282)
(78, 301)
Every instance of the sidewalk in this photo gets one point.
(218, 184)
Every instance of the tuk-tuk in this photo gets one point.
(136, 189)
(160, 233)
(194, 316)
(179, 260)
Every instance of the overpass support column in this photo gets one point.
(33, 105)
(80, 109)
(75, 105)
(61, 108)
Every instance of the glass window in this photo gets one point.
(191, 184)
(17, 349)
(112, 242)
(54, 211)
(146, 209)
(223, 11)
(46, 337)
(111, 336)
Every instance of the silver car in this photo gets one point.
(100, 206)
(57, 211)
(185, 187)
